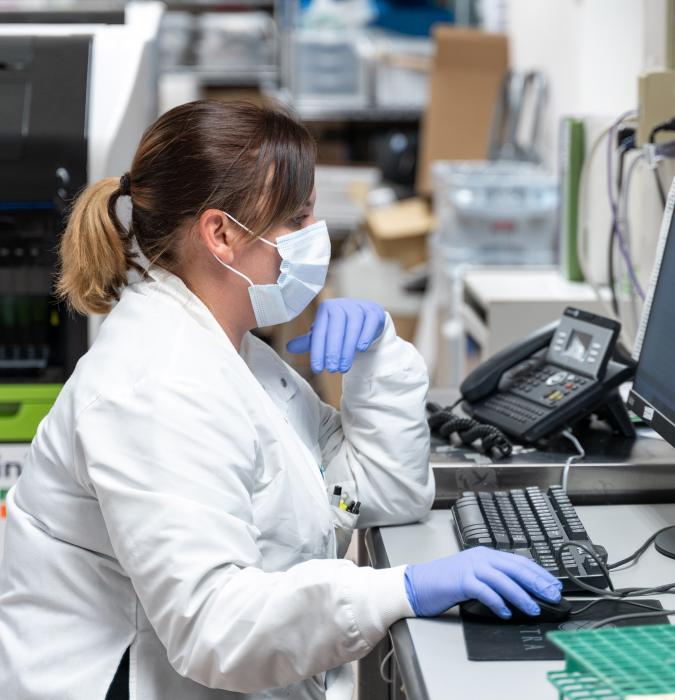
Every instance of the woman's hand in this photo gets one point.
(342, 328)
(485, 574)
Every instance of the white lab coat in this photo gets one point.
(175, 501)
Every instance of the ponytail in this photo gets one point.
(95, 251)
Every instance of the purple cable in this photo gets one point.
(623, 205)
(623, 247)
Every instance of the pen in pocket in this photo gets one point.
(335, 498)
(354, 507)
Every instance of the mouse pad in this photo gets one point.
(496, 641)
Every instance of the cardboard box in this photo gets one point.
(466, 74)
(399, 231)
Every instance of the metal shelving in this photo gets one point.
(216, 5)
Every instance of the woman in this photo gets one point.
(172, 537)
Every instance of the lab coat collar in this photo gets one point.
(255, 354)
(266, 367)
(163, 282)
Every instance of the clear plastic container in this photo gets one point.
(236, 41)
(495, 213)
(401, 71)
(331, 68)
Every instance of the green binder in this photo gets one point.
(572, 150)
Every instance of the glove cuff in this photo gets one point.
(410, 590)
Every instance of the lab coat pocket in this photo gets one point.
(344, 523)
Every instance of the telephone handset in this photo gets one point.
(541, 385)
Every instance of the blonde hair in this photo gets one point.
(96, 252)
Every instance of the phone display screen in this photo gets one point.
(578, 345)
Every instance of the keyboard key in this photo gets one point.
(524, 553)
(531, 523)
(474, 529)
(502, 541)
(469, 514)
(591, 567)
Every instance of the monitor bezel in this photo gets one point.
(652, 417)
(650, 414)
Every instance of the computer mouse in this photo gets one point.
(550, 612)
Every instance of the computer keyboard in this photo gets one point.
(533, 524)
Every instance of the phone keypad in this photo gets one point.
(549, 385)
(515, 409)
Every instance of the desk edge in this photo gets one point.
(399, 632)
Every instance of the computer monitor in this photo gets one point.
(653, 395)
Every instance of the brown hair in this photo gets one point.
(255, 163)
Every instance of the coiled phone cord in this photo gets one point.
(445, 423)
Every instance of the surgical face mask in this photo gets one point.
(305, 255)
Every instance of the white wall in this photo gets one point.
(592, 52)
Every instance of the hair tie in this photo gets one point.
(125, 185)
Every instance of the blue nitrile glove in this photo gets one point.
(482, 573)
(341, 328)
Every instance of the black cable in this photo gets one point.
(615, 593)
(582, 584)
(638, 552)
(665, 588)
(433, 407)
(445, 423)
(668, 125)
(610, 270)
(629, 616)
(595, 601)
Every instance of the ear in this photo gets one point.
(217, 233)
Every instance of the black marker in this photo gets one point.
(335, 499)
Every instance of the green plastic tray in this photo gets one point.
(622, 663)
(22, 407)
(580, 686)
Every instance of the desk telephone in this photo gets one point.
(560, 374)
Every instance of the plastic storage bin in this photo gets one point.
(402, 72)
(495, 213)
(238, 41)
(330, 68)
(175, 39)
